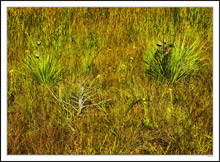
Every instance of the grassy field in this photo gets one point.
(94, 81)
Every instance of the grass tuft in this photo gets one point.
(42, 69)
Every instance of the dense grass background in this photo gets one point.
(144, 116)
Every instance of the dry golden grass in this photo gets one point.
(142, 117)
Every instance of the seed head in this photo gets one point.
(38, 43)
(168, 49)
(164, 41)
(37, 56)
(159, 44)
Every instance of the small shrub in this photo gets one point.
(42, 69)
(79, 102)
(174, 63)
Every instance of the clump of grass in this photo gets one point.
(185, 61)
(174, 63)
(43, 69)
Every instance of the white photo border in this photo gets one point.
(5, 4)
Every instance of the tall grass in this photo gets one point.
(144, 116)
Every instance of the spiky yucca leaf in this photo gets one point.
(185, 61)
(180, 63)
(43, 70)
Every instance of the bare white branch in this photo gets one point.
(98, 103)
(60, 100)
(76, 98)
(86, 94)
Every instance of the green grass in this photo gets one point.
(42, 69)
(183, 61)
(136, 110)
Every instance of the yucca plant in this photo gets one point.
(176, 64)
(42, 69)
(185, 61)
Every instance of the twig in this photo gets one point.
(69, 104)
(68, 111)
(98, 103)
(93, 81)
(74, 97)
(90, 97)
(61, 100)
